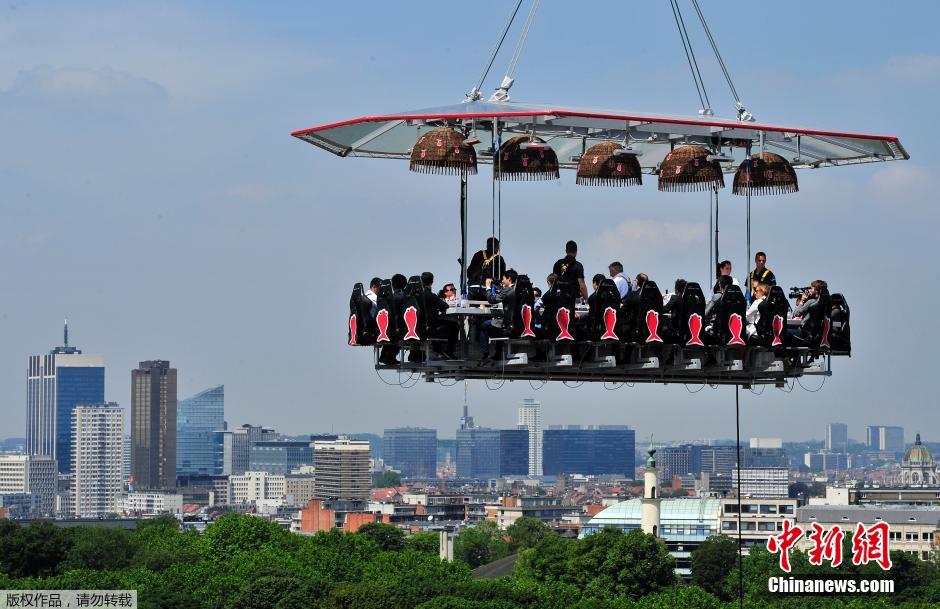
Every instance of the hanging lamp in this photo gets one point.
(770, 174)
(525, 157)
(443, 151)
(688, 168)
(608, 164)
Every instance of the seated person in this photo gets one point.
(711, 309)
(620, 280)
(808, 307)
(537, 293)
(373, 294)
(485, 265)
(671, 301)
(753, 313)
(498, 326)
(438, 325)
(449, 295)
(592, 299)
(760, 274)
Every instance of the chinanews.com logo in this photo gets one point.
(869, 545)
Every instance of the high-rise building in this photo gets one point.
(197, 419)
(590, 450)
(885, 438)
(680, 460)
(153, 425)
(837, 437)
(280, 456)
(342, 469)
(484, 453)
(97, 459)
(411, 450)
(35, 474)
(824, 461)
(236, 447)
(55, 384)
(718, 460)
(762, 481)
(530, 418)
(765, 452)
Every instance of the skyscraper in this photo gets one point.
(153, 425)
(484, 453)
(343, 470)
(591, 450)
(837, 437)
(55, 384)
(97, 459)
(530, 418)
(411, 450)
(236, 447)
(197, 419)
(885, 438)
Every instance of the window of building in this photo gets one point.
(768, 509)
(786, 509)
(729, 525)
(767, 526)
(748, 526)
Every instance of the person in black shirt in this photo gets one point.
(486, 267)
(760, 273)
(570, 272)
(439, 326)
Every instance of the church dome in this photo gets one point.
(918, 454)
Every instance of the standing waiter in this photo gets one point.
(761, 274)
(486, 266)
(570, 272)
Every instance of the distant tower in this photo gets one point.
(153, 425)
(651, 500)
(530, 418)
(466, 421)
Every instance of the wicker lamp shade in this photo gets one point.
(600, 165)
(443, 151)
(687, 169)
(517, 163)
(770, 174)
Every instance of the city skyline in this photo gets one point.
(232, 224)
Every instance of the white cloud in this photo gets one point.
(643, 237)
(904, 183)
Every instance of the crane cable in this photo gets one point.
(743, 114)
(474, 93)
(522, 38)
(690, 58)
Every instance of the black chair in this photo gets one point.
(386, 316)
(840, 337)
(688, 322)
(558, 318)
(605, 319)
(649, 314)
(520, 321)
(361, 325)
(780, 307)
(412, 318)
(731, 318)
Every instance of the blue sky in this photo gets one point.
(150, 191)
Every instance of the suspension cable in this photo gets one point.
(474, 93)
(737, 412)
(522, 38)
(743, 114)
(690, 57)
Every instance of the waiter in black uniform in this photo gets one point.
(570, 272)
(760, 273)
(486, 266)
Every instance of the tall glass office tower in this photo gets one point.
(153, 425)
(55, 384)
(197, 420)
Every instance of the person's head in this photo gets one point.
(550, 280)
(399, 281)
(762, 290)
(492, 245)
(760, 259)
(537, 292)
(597, 280)
(509, 277)
(615, 268)
(724, 268)
(571, 248)
(375, 284)
(818, 286)
(427, 279)
(680, 285)
(449, 290)
(725, 282)
(641, 278)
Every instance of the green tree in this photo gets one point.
(387, 479)
(280, 591)
(233, 534)
(428, 542)
(36, 550)
(387, 537)
(100, 548)
(480, 544)
(712, 562)
(527, 533)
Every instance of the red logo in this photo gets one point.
(735, 324)
(871, 544)
(778, 330)
(411, 322)
(695, 330)
(594, 160)
(562, 317)
(826, 547)
(527, 322)
(652, 324)
(784, 542)
(824, 341)
(381, 320)
(352, 330)
(610, 322)
(440, 142)
(424, 153)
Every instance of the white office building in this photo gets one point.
(97, 459)
(150, 504)
(255, 487)
(530, 417)
(762, 481)
(24, 474)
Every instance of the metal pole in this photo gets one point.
(463, 233)
(716, 233)
(747, 169)
(737, 412)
